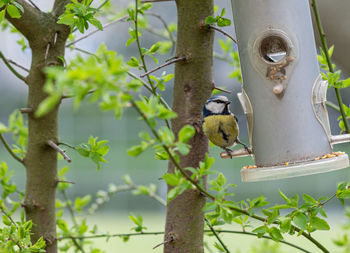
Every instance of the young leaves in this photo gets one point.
(220, 20)
(79, 14)
(95, 150)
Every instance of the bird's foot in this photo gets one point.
(245, 146)
(228, 152)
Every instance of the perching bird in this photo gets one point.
(219, 124)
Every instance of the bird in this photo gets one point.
(220, 125)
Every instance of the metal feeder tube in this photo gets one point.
(283, 94)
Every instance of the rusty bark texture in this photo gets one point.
(193, 86)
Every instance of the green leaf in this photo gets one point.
(47, 105)
(319, 224)
(171, 179)
(6, 220)
(2, 15)
(154, 48)
(260, 230)
(186, 133)
(224, 22)
(285, 224)
(309, 199)
(210, 20)
(20, 7)
(135, 150)
(300, 220)
(3, 128)
(275, 234)
(13, 11)
(223, 12)
(66, 19)
(133, 62)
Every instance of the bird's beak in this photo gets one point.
(227, 102)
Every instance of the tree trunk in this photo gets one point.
(41, 160)
(193, 86)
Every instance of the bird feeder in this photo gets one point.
(283, 93)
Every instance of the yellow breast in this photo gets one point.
(222, 130)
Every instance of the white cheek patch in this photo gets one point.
(215, 107)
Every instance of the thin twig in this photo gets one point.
(65, 182)
(17, 65)
(97, 30)
(11, 68)
(26, 110)
(205, 193)
(66, 144)
(162, 101)
(139, 45)
(165, 26)
(161, 233)
(70, 96)
(333, 106)
(223, 32)
(164, 65)
(162, 243)
(35, 6)
(59, 150)
(264, 236)
(329, 63)
(216, 235)
(71, 211)
(9, 149)
(155, 1)
(103, 4)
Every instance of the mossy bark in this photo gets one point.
(193, 86)
(41, 160)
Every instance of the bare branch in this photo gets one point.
(59, 7)
(162, 66)
(216, 235)
(171, 239)
(70, 96)
(97, 30)
(17, 65)
(18, 75)
(26, 110)
(35, 6)
(65, 181)
(164, 24)
(7, 146)
(223, 32)
(155, 1)
(59, 150)
(103, 4)
(220, 89)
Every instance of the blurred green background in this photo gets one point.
(76, 127)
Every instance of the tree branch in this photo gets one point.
(164, 24)
(35, 6)
(155, 1)
(97, 30)
(223, 32)
(9, 149)
(17, 65)
(71, 211)
(7, 63)
(161, 233)
(29, 22)
(329, 63)
(59, 150)
(216, 235)
(163, 65)
(59, 7)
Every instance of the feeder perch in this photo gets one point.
(283, 95)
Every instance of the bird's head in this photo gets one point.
(216, 105)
